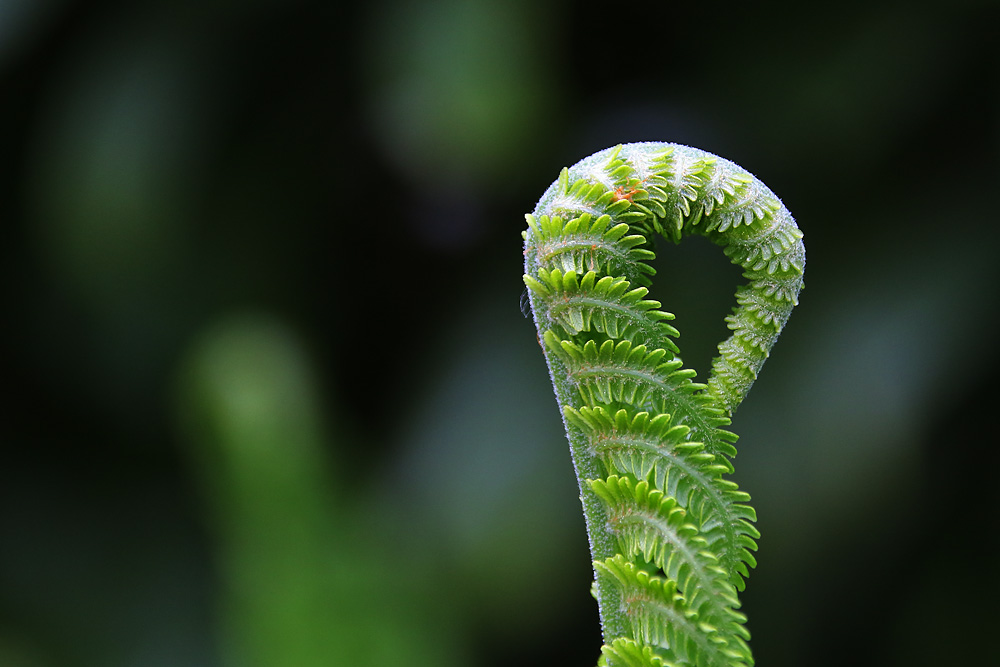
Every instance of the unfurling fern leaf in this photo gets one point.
(671, 537)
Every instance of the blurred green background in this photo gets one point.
(271, 399)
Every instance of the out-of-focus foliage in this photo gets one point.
(305, 570)
(356, 177)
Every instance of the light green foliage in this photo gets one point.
(671, 537)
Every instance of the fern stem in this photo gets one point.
(666, 578)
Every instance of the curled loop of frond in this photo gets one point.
(672, 538)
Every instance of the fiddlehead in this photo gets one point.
(671, 537)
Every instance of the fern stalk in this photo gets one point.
(671, 537)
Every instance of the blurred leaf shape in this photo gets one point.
(305, 580)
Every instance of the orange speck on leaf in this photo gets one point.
(621, 193)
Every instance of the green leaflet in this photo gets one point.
(608, 305)
(624, 652)
(671, 537)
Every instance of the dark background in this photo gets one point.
(271, 399)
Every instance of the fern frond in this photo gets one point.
(623, 374)
(752, 204)
(640, 444)
(723, 187)
(656, 449)
(653, 525)
(756, 249)
(663, 618)
(588, 242)
(629, 653)
(687, 176)
(607, 305)
(649, 443)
